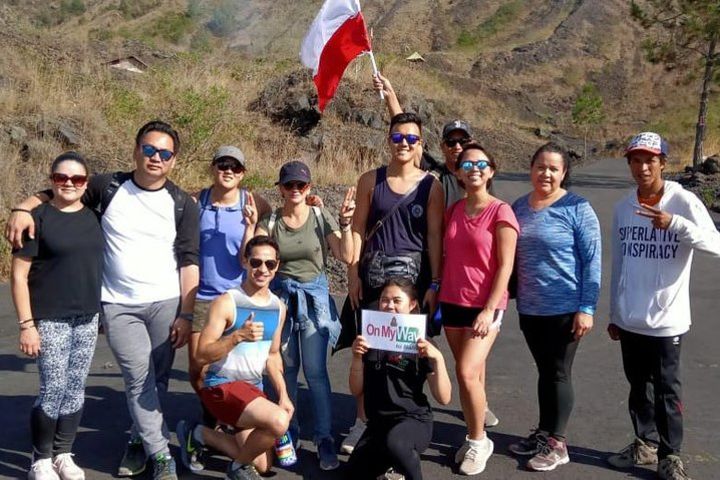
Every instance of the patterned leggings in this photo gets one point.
(67, 346)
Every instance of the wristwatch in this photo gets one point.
(187, 316)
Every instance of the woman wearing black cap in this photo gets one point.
(305, 235)
(56, 290)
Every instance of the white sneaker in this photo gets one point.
(42, 470)
(353, 437)
(66, 467)
(476, 457)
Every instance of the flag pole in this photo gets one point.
(375, 70)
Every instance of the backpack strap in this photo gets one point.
(271, 222)
(117, 179)
(320, 229)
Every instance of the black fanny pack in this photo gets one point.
(378, 267)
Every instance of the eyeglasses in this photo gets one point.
(61, 179)
(225, 165)
(451, 142)
(301, 186)
(468, 165)
(150, 151)
(409, 138)
(257, 263)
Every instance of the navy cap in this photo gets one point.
(456, 125)
(294, 171)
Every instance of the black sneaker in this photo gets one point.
(327, 454)
(133, 460)
(191, 451)
(530, 446)
(164, 467)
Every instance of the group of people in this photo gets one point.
(244, 285)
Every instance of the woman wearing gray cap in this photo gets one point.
(306, 234)
(222, 231)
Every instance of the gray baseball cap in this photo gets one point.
(229, 151)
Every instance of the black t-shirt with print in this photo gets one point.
(393, 386)
(67, 256)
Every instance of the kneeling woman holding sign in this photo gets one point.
(400, 421)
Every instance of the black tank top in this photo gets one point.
(406, 230)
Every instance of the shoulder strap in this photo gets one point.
(271, 222)
(204, 197)
(117, 179)
(400, 203)
(320, 229)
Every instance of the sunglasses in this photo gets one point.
(451, 142)
(224, 166)
(257, 263)
(150, 151)
(468, 165)
(61, 179)
(295, 186)
(409, 138)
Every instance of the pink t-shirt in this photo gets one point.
(469, 260)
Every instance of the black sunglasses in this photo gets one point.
(257, 262)
(295, 186)
(451, 142)
(224, 165)
(150, 151)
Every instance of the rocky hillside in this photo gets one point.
(227, 71)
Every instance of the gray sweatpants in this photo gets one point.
(139, 337)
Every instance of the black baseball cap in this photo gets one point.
(456, 125)
(294, 171)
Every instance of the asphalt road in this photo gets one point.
(599, 425)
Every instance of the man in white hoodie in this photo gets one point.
(656, 228)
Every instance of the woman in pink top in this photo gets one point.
(479, 248)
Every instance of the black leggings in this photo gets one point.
(553, 347)
(397, 444)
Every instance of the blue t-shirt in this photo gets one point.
(558, 257)
(221, 235)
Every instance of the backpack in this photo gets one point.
(319, 228)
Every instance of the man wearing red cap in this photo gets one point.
(656, 228)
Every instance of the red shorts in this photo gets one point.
(228, 401)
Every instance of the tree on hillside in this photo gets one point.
(683, 32)
(587, 111)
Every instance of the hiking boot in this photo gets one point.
(637, 453)
(164, 467)
(476, 457)
(460, 454)
(672, 468)
(191, 451)
(242, 472)
(553, 452)
(42, 470)
(490, 419)
(66, 468)
(326, 454)
(353, 437)
(527, 447)
(133, 460)
(391, 475)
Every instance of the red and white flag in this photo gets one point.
(336, 37)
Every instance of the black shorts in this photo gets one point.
(457, 316)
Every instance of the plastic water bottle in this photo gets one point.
(285, 451)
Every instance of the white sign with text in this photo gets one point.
(395, 332)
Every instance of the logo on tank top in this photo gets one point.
(417, 211)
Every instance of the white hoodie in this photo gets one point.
(650, 284)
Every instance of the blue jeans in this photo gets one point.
(310, 345)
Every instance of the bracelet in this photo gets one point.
(28, 327)
(13, 210)
(435, 286)
(26, 321)
(344, 224)
(187, 316)
(346, 228)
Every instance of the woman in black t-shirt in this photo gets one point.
(399, 426)
(56, 290)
